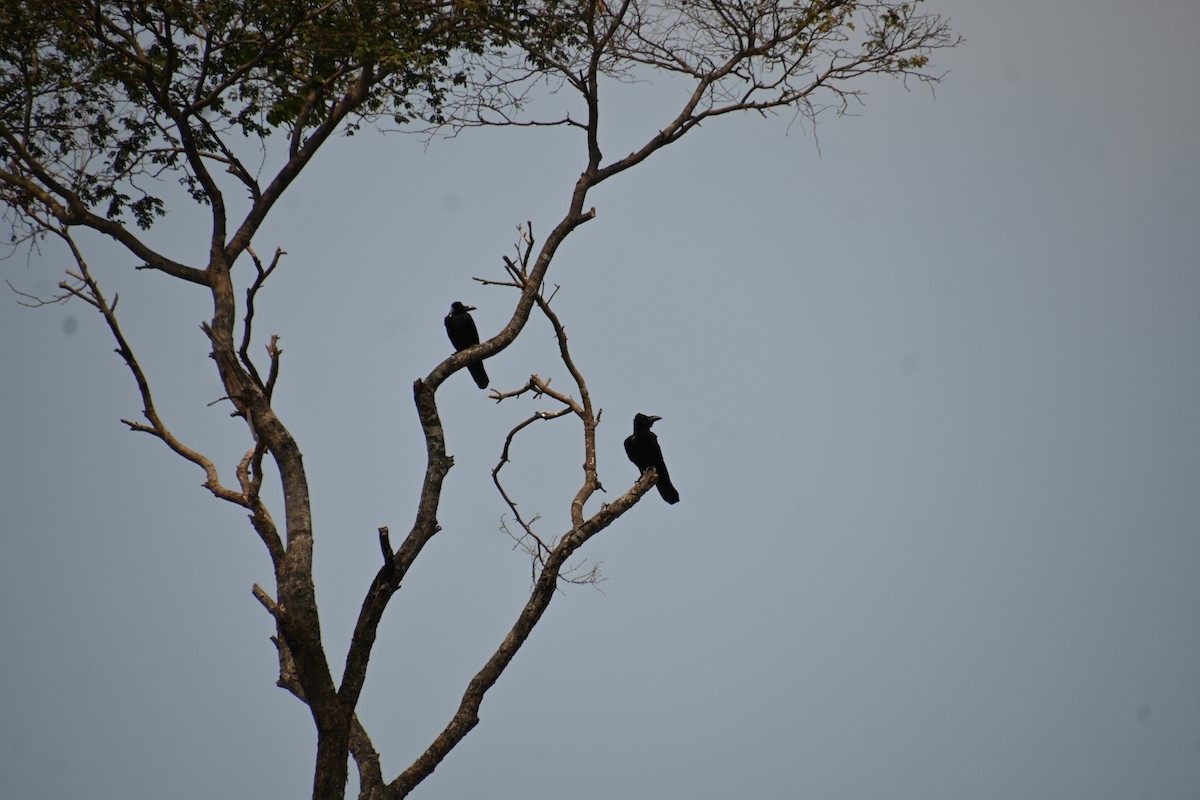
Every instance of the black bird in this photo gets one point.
(643, 450)
(461, 330)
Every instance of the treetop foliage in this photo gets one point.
(99, 99)
(95, 97)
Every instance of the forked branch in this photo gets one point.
(260, 278)
(467, 715)
(87, 289)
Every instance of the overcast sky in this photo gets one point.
(930, 393)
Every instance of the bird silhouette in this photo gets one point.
(463, 334)
(643, 450)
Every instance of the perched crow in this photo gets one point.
(461, 330)
(643, 450)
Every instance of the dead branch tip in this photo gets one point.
(266, 600)
(385, 545)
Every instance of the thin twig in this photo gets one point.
(89, 291)
(251, 293)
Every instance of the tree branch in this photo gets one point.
(467, 715)
(89, 291)
(251, 293)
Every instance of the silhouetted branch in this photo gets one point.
(274, 351)
(33, 301)
(262, 273)
(526, 526)
(467, 715)
(88, 290)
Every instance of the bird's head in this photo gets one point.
(644, 421)
(458, 308)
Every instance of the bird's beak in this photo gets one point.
(655, 419)
(469, 308)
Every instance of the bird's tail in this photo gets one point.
(479, 374)
(668, 490)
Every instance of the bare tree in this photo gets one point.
(100, 102)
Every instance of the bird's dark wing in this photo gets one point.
(461, 330)
(636, 453)
(654, 458)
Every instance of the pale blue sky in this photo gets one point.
(930, 394)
